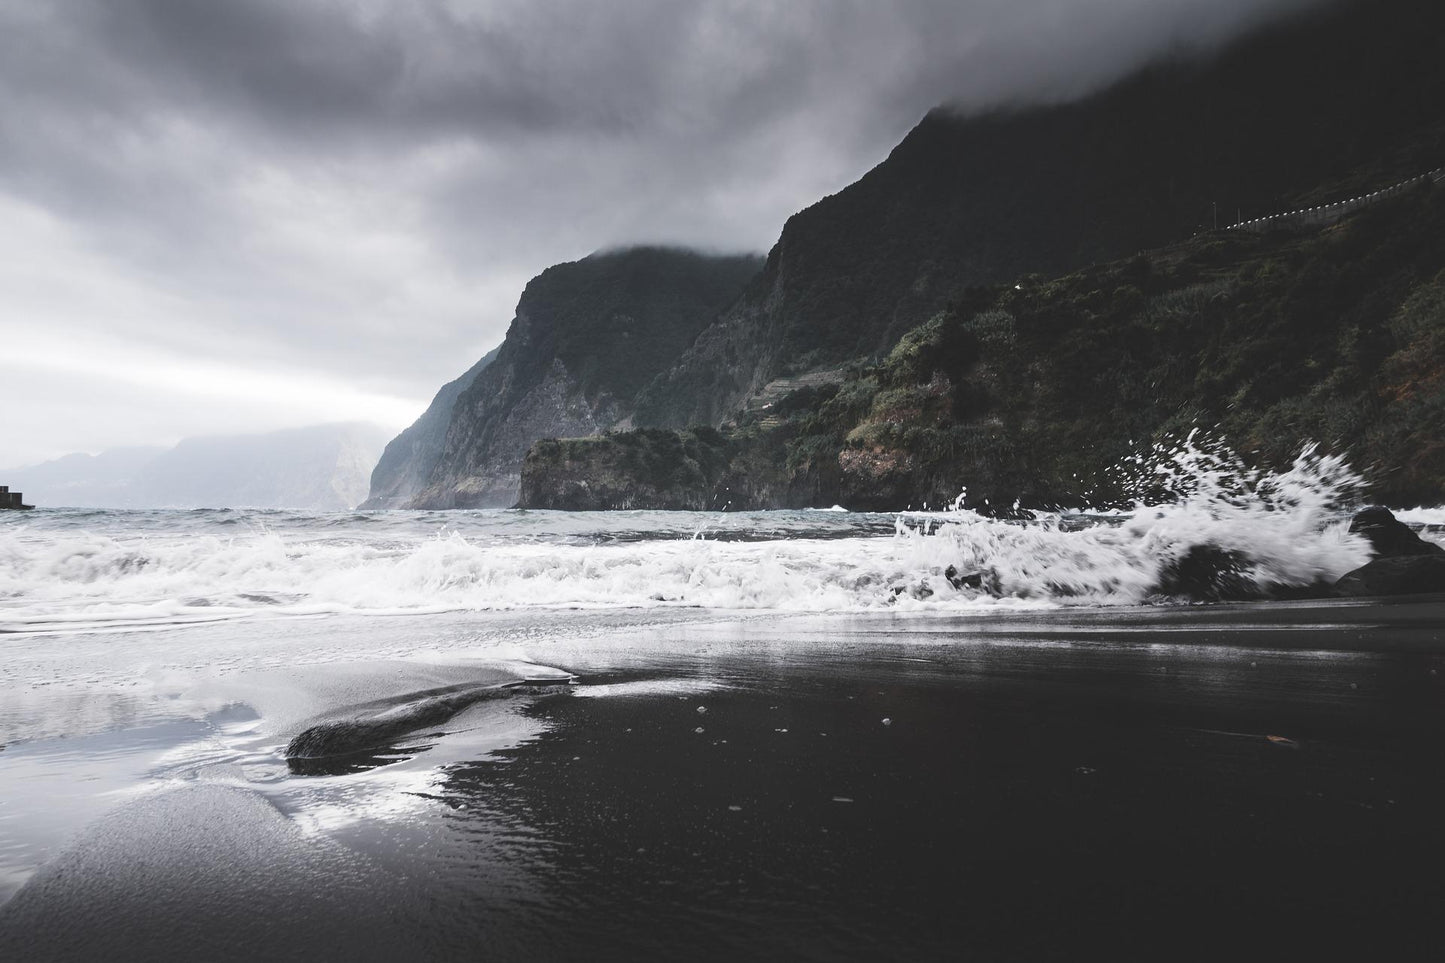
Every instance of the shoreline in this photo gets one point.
(1042, 784)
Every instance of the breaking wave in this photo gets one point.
(1279, 531)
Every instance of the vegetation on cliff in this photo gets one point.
(648, 468)
(1038, 391)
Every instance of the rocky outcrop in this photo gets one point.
(1207, 573)
(409, 458)
(491, 439)
(12, 500)
(1404, 563)
(1388, 536)
(587, 336)
(1403, 575)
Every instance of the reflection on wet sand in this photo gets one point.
(1140, 783)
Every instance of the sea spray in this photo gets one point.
(1282, 530)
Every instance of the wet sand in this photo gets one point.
(1185, 783)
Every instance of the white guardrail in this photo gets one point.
(1328, 213)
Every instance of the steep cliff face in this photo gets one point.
(587, 336)
(648, 468)
(1348, 98)
(1041, 393)
(409, 458)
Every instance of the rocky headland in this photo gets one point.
(408, 459)
(587, 336)
(1017, 303)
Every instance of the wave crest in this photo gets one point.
(1276, 531)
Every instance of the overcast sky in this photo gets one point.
(241, 215)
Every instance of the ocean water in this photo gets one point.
(68, 570)
(772, 735)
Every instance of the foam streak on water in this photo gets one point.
(62, 570)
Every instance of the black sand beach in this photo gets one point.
(918, 481)
(1176, 783)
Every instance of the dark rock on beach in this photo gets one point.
(1402, 575)
(961, 581)
(376, 725)
(1404, 563)
(1207, 573)
(1389, 537)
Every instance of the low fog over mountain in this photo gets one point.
(324, 467)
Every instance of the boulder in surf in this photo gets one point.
(1403, 564)
(378, 724)
(1388, 536)
(1401, 575)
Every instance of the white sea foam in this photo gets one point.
(1289, 528)
(1431, 520)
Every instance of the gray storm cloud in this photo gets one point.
(351, 194)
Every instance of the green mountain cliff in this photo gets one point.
(901, 340)
(1039, 392)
